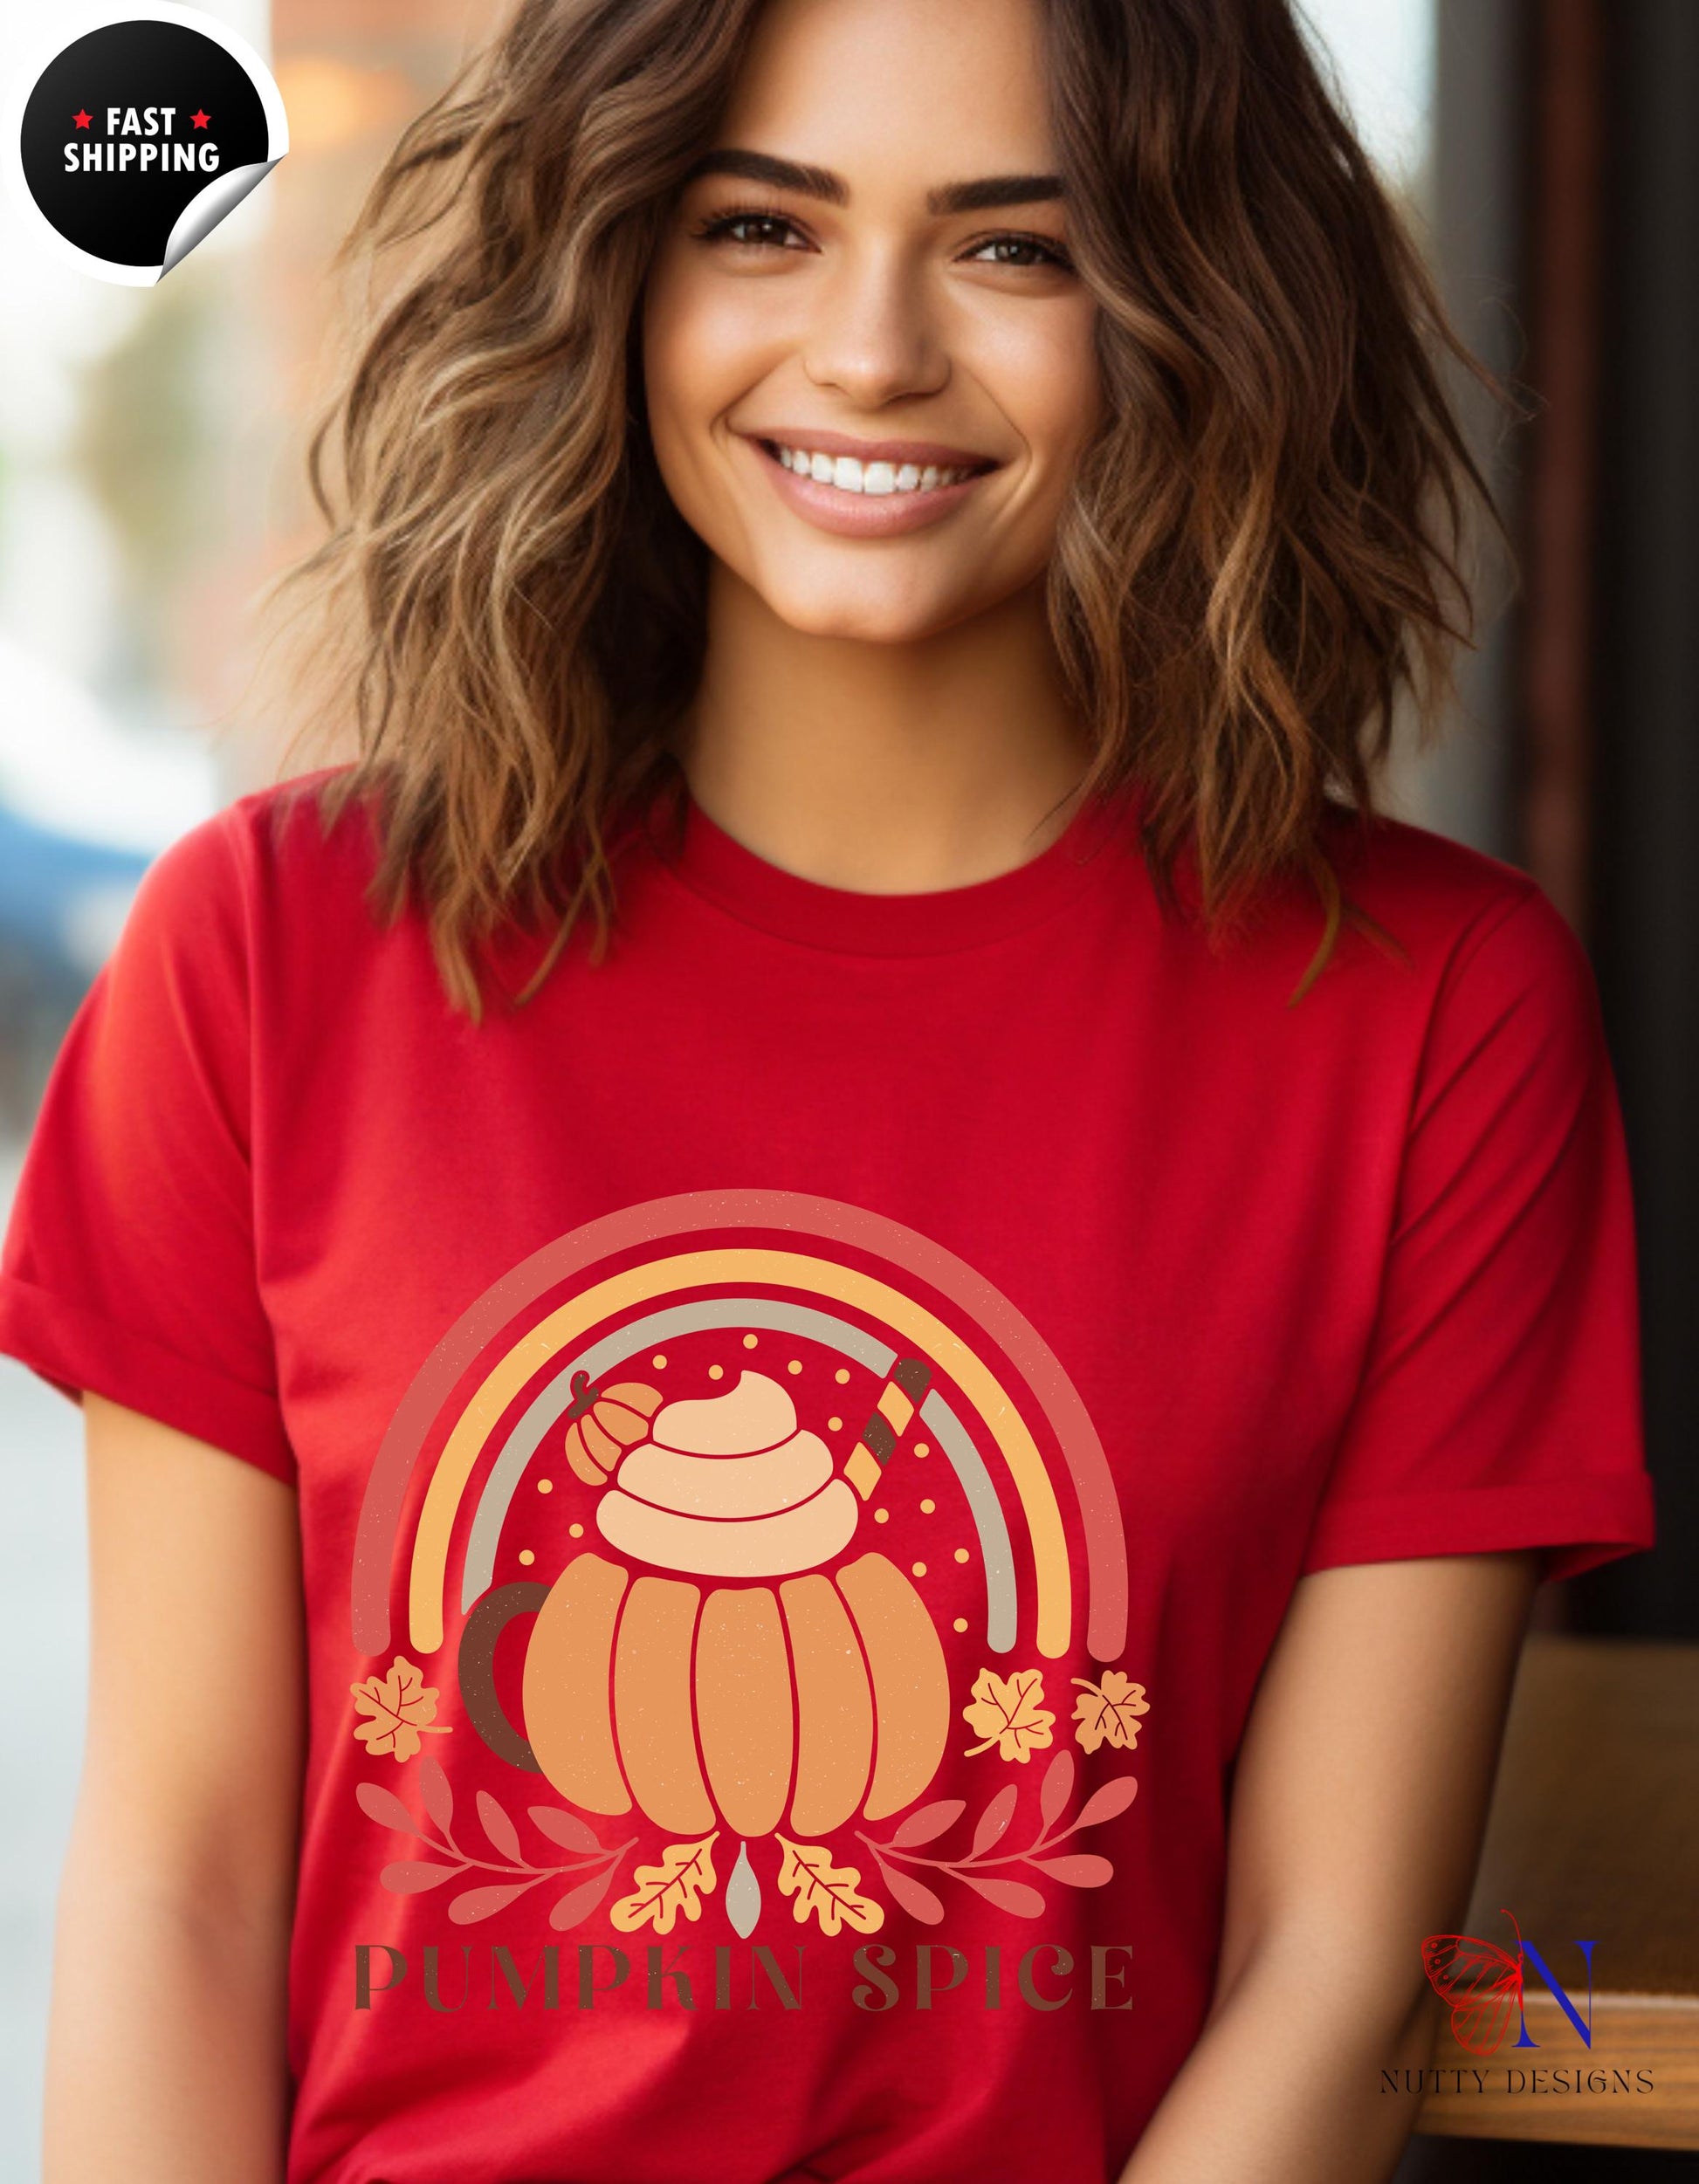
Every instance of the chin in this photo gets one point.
(848, 611)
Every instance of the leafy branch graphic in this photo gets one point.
(1075, 1869)
(594, 1869)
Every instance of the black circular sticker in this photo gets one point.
(135, 137)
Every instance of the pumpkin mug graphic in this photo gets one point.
(803, 1680)
(720, 1649)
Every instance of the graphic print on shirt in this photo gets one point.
(709, 1419)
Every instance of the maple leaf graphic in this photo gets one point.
(823, 1891)
(685, 1875)
(1008, 1712)
(399, 1705)
(1108, 1711)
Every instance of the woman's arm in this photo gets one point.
(1359, 1806)
(165, 2059)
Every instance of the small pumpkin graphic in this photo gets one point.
(601, 1423)
(820, 1696)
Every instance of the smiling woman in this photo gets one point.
(907, 1436)
(864, 287)
(1126, 266)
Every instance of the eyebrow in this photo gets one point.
(986, 194)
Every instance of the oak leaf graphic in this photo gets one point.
(1008, 1712)
(685, 1875)
(399, 1706)
(825, 1892)
(1108, 1711)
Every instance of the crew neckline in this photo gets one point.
(717, 867)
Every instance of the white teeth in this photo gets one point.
(849, 475)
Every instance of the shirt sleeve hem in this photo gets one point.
(73, 1349)
(1581, 1523)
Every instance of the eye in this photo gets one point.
(1019, 251)
(746, 229)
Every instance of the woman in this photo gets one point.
(909, 1230)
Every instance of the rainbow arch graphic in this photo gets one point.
(679, 1264)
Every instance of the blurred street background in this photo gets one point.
(151, 445)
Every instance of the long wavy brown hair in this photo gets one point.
(1263, 547)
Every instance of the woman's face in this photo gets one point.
(871, 368)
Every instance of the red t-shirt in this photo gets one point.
(794, 1423)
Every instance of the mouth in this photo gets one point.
(862, 489)
(878, 476)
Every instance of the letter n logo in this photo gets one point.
(1555, 1987)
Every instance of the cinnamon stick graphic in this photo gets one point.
(888, 1420)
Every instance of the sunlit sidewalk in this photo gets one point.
(44, 1638)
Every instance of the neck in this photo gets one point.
(887, 768)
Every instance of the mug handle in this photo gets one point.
(477, 1669)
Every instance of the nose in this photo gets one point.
(872, 334)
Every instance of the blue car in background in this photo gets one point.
(62, 904)
(62, 901)
(88, 801)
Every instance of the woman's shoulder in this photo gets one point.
(304, 830)
(1486, 941)
(1432, 893)
(1393, 864)
(1442, 899)
(280, 840)
(267, 876)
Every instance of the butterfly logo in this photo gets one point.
(1482, 1982)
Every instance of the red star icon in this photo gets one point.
(199, 118)
(82, 119)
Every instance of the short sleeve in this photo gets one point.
(129, 1263)
(1500, 1406)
